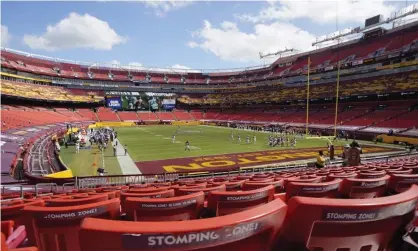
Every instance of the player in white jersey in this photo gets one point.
(239, 138)
(248, 139)
(254, 139)
(173, 139)
(77, 147)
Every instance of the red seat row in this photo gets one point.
(357, 208)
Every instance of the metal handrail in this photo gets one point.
(45, 184)
(3, 187)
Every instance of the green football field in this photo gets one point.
(155, 143)
(148, 143)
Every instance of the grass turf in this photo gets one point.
(81, 164)
(154, 142)
(147, 143)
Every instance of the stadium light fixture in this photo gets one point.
(404, 12)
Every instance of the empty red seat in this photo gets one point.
(401, 182)
(251, 230)
(206, 191)
(56, 228)
(243, 177)
(327, 189)
(7, 227)
(228, 202)
(230, 185)
(166, 184)
(363, 188)
(262, 179)
(251, 185)
(346, 224)
(194, 185)
(148, 189)
(14, 212)
(342, 175)
(371, 174)
(160, 194)
(64, 202)
(164, 209)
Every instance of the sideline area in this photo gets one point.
(151, 150)
(127, 165)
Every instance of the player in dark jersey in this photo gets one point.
(187, 146)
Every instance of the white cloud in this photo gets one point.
(5, 36)
(168, 69)
(162, 7)
(76, 31)
(192, 44)
(135, 64)
(179, 66)
(321, 11)
(114, 62)
(229, 43)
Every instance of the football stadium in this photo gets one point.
(315, 149)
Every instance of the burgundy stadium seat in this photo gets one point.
(232, 185)
(268, 179)
(243, 177)
(347, 224)
(251, 230)
(401, 182)
(223, 203)
(342, 175)
(327, 189)
(251, 185)
(56, 228)
(7, 227)
(399, 171)
(160, 194)
(371, 174)
(148, 189)
(363, 188)
(164, 209)
(206, 191)
(75, 202)
(14, 212)
(305, 178)
(166, 184)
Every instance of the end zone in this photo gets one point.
(226, 162)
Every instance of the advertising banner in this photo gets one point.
(114, 103)
(169, 104)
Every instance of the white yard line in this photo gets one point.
(126, 163)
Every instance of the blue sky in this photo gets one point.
(199, 35)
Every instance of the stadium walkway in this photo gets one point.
(126, 163)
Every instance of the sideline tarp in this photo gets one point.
(61, 175)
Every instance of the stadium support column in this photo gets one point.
(307, 98)
(337, 98)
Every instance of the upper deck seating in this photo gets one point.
(106, 114)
